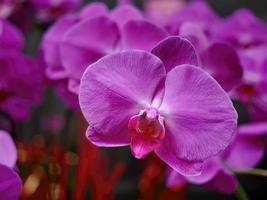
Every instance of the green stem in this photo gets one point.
(257, 172)
(241, 193)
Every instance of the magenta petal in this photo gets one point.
(242, 29)
(210, 168)
(140, 34)
(8, 151)
(195, 33)
(199, 116)
(141, 147)
(86, 42)
(50, 47)
(209, 171)
(10, 36)
(195, 11)
(245, 152)
(55, 72)
(105, 140)
(224, 182)
(222, 62)
(94, 9)
(122, 14)
(174, 51)
(10, 184)
(114, 89)
(174, 179)
(183, 167)
(70, 99)
(253, 129)
(258, 110)
(73, 86)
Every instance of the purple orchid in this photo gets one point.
(10, 36)
(218, 58)
(8, 150)
(253, 88)
(215, 174)
(158, 101)
(73, 43)
(25, 72)
(70, 99)
(18, 70)
(247, 34)
(195, 22)
(10, 183)
(242, 29)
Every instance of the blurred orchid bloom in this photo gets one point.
(195, 12)
(253, 88)
(17, 70)
(195, 22)
(218, 58)
(75, 42)
(247, 34)
(242, 29)
(245, 152)
(10, 183)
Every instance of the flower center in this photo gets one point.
(146, 130)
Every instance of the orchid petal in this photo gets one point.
(122, 14)
(253, 129)
(94, 9)
(140, 34)
(10, 36)
(174, 51)
(50, 47)
(244, 152)
(195, 33)
(8, 151)
(210, 168)
(199, 116)
(174, 179)
(183, 167)
(10, 184)
(222, 62)
(114, 89)
(224, 182)
(86, 42)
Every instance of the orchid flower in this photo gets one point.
(75, 42)
(242, 29)
(159, 101)
(218, 58)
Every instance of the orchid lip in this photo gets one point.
(146, 130)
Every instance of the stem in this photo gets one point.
(241, 193)
(257, 172)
